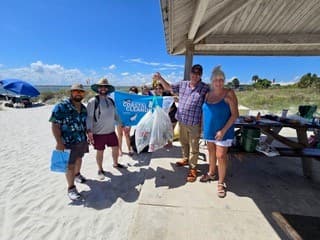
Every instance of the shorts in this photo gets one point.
(224, 143)
(101, 140)
(77, 151)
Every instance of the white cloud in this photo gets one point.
(290, 82)
(40, 73)
(139, 60)
(158, 66)
(173, 65)
(164, 69)
(230, 79)
(113, 66)
(296, 78)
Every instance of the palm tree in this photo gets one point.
(255, 78)
(235, 83)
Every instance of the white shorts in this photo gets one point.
(225, 143)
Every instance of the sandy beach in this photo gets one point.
(34, 203)
(33, 200)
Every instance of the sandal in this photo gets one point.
(207, 177)
(119, 166)
(131, 153)
(192, 175)
(223, 191)
(182, 162)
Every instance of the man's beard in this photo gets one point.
(77, 99)
(103, 93)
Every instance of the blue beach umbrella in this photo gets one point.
(20, 87)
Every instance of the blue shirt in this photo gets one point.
(72, 123)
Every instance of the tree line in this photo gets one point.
(308, 80)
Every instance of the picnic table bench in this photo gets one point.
(271, 129)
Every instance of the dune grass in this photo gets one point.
(274, 100)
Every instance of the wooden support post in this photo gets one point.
(306, 162)
(188, 59)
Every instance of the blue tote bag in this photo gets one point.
(59, 161)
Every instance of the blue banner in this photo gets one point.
(132, 107)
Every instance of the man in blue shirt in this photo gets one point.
(68, 120)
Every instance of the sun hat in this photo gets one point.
(197, 68)
(102, 82)
(77, 86)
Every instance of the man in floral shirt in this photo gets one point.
(68, 120)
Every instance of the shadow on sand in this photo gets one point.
(127, 186)
(103, 194)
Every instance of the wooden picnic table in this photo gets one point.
(272, 127)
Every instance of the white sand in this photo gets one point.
(33, 200)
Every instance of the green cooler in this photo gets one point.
(250, 138)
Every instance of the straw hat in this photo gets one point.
(102, 82)
(77, 86)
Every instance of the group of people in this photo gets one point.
(211, 109)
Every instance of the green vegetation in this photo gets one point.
(261, 94)
(51, 97)
(235, 83)
(266, 95)
(276, 99)
(309, 81)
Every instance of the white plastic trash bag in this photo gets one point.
(167, 102)
(143, 131)
(162, 131)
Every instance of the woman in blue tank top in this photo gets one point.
(219, 112)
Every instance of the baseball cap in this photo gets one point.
(197, 68)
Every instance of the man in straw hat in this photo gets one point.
(101, 124)
(68, 120)
(191, 97)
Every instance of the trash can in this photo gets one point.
(307, 111)
(250, 138)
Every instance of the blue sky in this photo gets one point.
(64, 41)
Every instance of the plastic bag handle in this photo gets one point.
(155, 102)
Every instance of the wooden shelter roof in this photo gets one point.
(242, 27)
